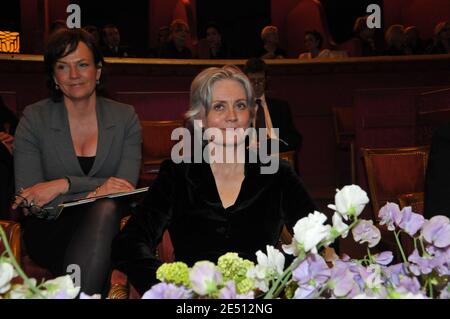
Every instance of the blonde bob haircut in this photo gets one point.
(202, 90)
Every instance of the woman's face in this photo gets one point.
(229, 110)
(311, 42)
(76, 74)
(213, 37)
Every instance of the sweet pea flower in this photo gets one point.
(384, 258)
(365, 231)
(308, 233)
(205, 278)
(339, 225)
(167, 291)
(60, 288)
(342, 282)
(420, 265)
(388, 214)
(349, 201)
(311, 274)
(229, 292)
(410, 222)
(7, 273)
(268, 268)
(436, 231)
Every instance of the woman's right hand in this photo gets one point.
(114, 185)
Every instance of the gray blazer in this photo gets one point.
(43, 148)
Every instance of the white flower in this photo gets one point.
(308, 233)
(339, 225)
(60, 288)
(6, 274)
(268, 268)
(22, 291)
(350, 200)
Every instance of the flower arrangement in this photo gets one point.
(422, 274)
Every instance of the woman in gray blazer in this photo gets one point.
(74, 145)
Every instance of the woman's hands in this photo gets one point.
(111, 186)
(41, 193)
(7, 140)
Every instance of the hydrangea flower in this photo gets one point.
(235, 268)
(176, 273)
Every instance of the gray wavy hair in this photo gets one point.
(202, 90)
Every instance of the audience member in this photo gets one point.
(271, 112)
(414, 43)
(441, 44)
(111, 42)
(93, 30)
(176, 48)
(213, 46)
(212, 207)
(163, 38)
(364, 38)
(271, 49)
(75, 145)
(313, 44)
(395, 39)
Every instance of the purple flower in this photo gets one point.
(342, 282)
(384, 258)
(394, 273)
(436, 231)
(229, 292)
(388, 214)
(310, 275)
(410, 222)
(441, 259)
(420, 265)
(365, 231)
(408, 284)
(167, 291)
(205, 278)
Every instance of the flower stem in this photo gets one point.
(397, 239)
(19, 270)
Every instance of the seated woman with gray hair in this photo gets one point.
(271, 49)
(212, 206)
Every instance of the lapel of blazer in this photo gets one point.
(106, 132)
(63, 140)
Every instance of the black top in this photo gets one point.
(8, 120)
(86, 163)
(170, 51)
(184, 199)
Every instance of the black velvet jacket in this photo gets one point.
(184, 199)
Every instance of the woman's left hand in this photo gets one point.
(7, 140)
(42, 193)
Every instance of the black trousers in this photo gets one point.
(79, 239)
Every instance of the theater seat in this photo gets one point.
(156, 147)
